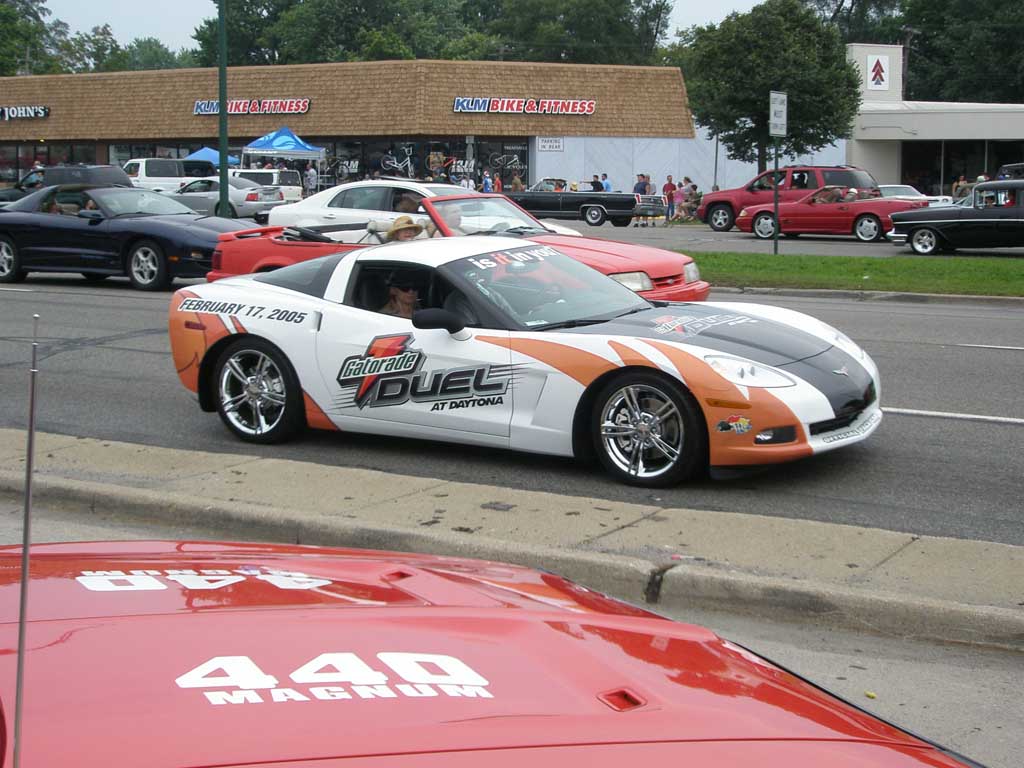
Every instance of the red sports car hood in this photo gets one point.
(209, 654)
(612, 257)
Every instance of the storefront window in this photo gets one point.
(60, 154)
(8, 163)
(504, 158)
(348, 161)
(143, 150)
(119, 154)
(84, 153)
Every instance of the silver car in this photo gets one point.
(247, 199)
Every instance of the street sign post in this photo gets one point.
(778, 107)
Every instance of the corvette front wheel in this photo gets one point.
(258, 394)
(648, 431)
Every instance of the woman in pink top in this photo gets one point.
(679, 197)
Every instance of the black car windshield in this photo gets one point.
(136, 202)
(537, 287)
(486, 215)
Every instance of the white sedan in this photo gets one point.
(907, 192)
(379, 200)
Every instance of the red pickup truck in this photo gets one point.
(720, 209)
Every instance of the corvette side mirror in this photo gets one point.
(92, 215)
(427, 319)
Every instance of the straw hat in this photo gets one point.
(404, 222)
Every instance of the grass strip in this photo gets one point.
(976, 276)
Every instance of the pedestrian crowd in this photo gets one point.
(681, 199)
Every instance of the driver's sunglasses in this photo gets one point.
(405, 287)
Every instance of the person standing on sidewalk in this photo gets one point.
(668, 192)
(605, 183)
(310, 179)
(640, 188)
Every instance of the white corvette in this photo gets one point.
(518, 346)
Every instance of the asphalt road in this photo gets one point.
(964, 698)
(106, 372)
(695, 238)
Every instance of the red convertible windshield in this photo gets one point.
(485, 215)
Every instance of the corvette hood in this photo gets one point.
(203, 654)
(611, 257)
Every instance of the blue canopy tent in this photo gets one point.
(212, 155)
(284, 143)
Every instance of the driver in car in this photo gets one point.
(403, 296)
(453, 218)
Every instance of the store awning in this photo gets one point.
(206, 153)
(283, 143)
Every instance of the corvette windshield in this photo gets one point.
(488, 215)
(136, 202)
(537, 287)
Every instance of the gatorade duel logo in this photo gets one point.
(389, 374)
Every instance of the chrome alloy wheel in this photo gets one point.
(924, 241)
(719, 218)
(868, 229)
(252, 392)
(6, 258)
(145, 265)
(642, 431)
(764, 226)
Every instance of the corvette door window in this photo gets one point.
(377, 284)
(309, 277)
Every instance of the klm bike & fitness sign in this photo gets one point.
(253, 107)
(508, 106)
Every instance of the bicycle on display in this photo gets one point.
(510, 162)
(389, 162)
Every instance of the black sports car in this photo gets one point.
(104, 231)
(991, 216)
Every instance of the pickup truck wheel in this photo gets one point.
(764, 226)
(10, 262)
(594, 216)
(620, 221)
(721, 218)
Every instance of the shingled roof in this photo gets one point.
(374, 98)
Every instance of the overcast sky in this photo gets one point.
(173, 22)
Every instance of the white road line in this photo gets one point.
(991, 346)
(958, 416)
(18, 290)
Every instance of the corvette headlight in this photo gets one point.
(691, 272)
(635, 281)
(748, 374)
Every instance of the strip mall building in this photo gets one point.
(398, 117)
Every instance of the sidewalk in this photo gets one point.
(861, 578)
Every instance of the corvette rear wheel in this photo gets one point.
(10, 262)
(648, 431)
(868, 228)
(258, 393)
(764, 226)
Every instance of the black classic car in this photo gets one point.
(55, 175)
(104, 231)
(547, 199)
(991, 216)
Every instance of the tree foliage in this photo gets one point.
(780, 45)
(862, 21)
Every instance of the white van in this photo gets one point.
(290, 182)
(164, 174)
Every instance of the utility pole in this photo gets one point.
(224, 202)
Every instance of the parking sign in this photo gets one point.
(777, 107)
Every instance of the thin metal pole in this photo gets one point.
(224, 202)
(714, 183)
(26, 542)
(775, 196)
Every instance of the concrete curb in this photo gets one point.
(636, 580)
(913, 298)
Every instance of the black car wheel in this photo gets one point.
(868, 228)
(721, 218)
(924, 241)
(257, 392)
(648, 431)
(147, 267)
(594, 216)
(764, 226)
(10, 262)
(232, 213)
(620, 221)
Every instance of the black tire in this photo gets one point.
(594, 215)
(924, 241)
(10, 262)
(146, 266)
(868, 228)
(763, 226)
(232, 213)
(620, 221)
(257, 392)
(721, 218)
(626, 433)
(94, 277)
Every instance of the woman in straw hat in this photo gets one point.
(404, 228)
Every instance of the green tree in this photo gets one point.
(965, 50)
(780, 45)
(31, 44)
(250, 31)
(149, 53)
(863, 21)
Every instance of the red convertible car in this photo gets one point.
(828, 211)
(654, 273)
(183, 654)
